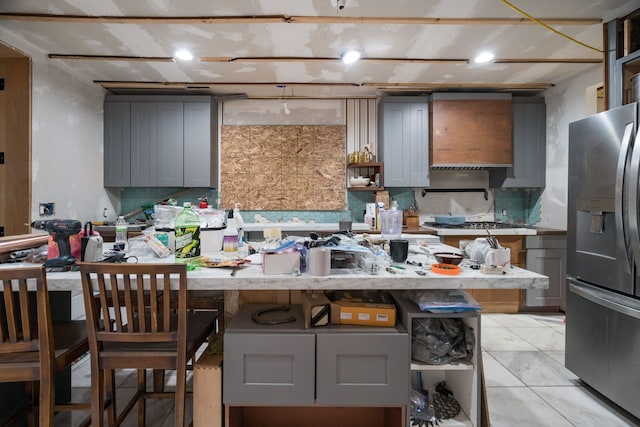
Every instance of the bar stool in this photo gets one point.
(143, 329)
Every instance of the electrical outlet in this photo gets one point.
(47, 209)
(504, 212)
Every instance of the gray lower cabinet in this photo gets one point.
(160, 141)
(463, 379)
(404, 141)
(337, 365)
(529, 146)
(547, 255)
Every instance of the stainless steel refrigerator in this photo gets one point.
(603, 255)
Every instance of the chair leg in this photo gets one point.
(181, 385)
(110, 381)
(158, 380)
(31, 391)
(46, 398)
(97, 395)
(142, 388)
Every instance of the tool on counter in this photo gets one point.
(493, 242)
(90, 245)
(61, 230)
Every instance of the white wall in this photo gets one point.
(66, 141)
(565, 103)
(67, 145)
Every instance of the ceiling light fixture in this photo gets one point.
(484, 57)
(184, 55)
(350, 56)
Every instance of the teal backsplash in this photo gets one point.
(134, 198)
(522, 205)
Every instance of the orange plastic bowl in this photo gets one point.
(449, 269)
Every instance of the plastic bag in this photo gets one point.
(438, 341)
(443, 300)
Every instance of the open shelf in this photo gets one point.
(368, 170)
(416, 366)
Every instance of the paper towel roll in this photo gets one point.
(319, 261)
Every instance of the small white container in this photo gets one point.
(211, 239)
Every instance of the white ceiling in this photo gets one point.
(286, 45)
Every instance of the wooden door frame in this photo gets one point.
(15, 141)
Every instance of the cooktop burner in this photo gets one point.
(472, 225)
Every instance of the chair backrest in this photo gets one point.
(25, 326)
(132, 303)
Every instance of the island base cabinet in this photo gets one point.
(463, 379)
(320, 376)
(314, 416)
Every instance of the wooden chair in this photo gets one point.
(32, 349)
(145, 331)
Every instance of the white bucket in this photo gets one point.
(211, 239)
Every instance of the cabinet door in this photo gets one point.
(362, 369)
(529, 147)
(199, 162)
(268, 368)
(551, 263)
(144, 137)
(117, 144)
(405, 144)
(170, 145)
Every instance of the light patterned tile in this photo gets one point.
(534, 368)
(501, 339)
(558, 356)
(541, 338)
(496, 375)
(521, 407)
(518, 320)
(488, 320)
(584, 408)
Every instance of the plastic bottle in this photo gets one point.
(188, 237)
(230, 238)
(121, 234)
(239, 223)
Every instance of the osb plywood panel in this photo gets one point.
(283, 167)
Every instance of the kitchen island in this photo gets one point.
(343, 343)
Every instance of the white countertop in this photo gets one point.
(303, 226)
(250, 277)
(517, 231)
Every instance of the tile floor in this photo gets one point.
(527, 383)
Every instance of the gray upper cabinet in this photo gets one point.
(529, 147)
(200, 155)
(404, 141)
(160, 141)
(117, 144)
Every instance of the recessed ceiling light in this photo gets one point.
(484, 57)
(184, 55)
(350, 56)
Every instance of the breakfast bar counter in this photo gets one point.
(250, 277)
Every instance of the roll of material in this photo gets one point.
(319, 261)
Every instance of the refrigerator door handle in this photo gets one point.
(621, 199)
(603, 298)
(634, 178)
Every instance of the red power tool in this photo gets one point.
(60, 230)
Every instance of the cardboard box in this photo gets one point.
(316, 308)
(207, 389)
(371, 308)
(285, 263)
